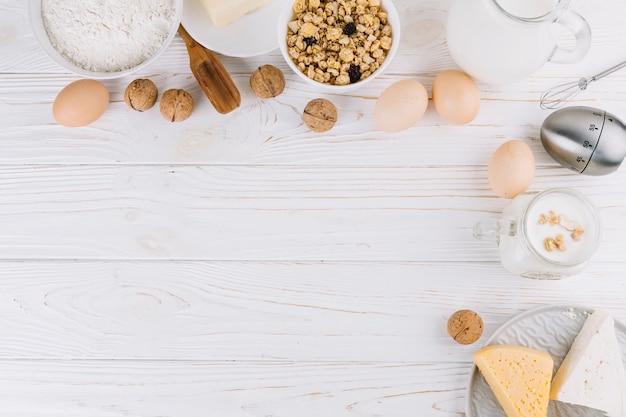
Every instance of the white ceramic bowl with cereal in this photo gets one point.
(104, 40)
(335, 53)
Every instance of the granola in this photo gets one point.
(338, 42)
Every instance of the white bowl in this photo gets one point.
(39, 30)
(287, 15)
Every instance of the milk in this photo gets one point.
(574, 220)
(495, 48)
(528, 9)
(573, 216)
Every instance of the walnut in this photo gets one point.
(465, 326)
(576, 234)
(141, 94)
(320, 115)
(176, 105)
(563, 222)
(555, 243)
(267, 81)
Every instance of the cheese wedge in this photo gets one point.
(592, 372)
(519, 378)
(223, 12)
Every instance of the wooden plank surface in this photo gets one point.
(264, 213)
(241, 265)
(265, 311)
(120, 388)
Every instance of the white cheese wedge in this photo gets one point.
(592, 373)
(223, 12)
(519, 378)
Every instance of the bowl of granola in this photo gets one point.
(338, 45)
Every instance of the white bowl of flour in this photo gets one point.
(105, 39)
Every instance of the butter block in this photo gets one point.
(592, 372)
(519, 378)
(223, 12)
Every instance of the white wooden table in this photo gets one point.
(241, 265)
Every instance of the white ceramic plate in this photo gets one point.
(549, 328)
(252, 35)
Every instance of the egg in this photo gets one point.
(80, 103)
(400, 106)
(511, 169)
(456, 97)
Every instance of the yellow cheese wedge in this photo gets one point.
(519, 378)
(223, 12)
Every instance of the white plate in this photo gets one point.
(252, 35)
(549, 328)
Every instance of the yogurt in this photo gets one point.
(561, 215)
(548, 235)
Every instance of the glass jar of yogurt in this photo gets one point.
(546, 235)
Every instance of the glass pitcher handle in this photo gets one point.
(492, 229)
(582, 33)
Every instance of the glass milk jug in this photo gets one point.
(504, 41)
(547, 235)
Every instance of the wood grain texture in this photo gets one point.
(192, 388)
(268, 311)
(213, 79)
(263, 213)
(240, 265)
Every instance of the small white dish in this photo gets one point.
(287, 15)
(251, 35)
(40, 33)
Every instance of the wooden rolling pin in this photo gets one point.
(213, 78)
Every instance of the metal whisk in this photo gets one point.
(555, 97)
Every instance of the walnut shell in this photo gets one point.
(465, 326)
(141, 94)
(176, 105)
(267, 81)
(320, 115)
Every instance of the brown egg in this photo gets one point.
(511, 169)
(456, 97)
(400, 106)
(80, 103)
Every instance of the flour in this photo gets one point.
(107, 35)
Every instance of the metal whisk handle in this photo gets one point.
(609, 71)
(555, 97)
